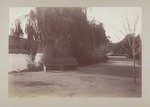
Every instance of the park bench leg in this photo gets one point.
(44, 68)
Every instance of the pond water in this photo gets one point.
(19, 61)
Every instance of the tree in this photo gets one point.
(66, 31)
(131, 43)
(17, 32)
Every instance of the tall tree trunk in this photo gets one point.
(134, 71)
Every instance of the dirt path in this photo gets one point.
(98, 80)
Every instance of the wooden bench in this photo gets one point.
(64, 63)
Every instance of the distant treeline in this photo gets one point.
(123, 47)
(18, 51)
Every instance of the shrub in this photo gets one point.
(99, 54)
(31, 66)
(34, 68)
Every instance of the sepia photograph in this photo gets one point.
(84, 52)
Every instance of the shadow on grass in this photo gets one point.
(122, 71)
(30, 83)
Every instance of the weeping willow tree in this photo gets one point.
(65, 32)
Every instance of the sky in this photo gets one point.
(113, 18)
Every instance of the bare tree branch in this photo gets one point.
(135, 24)
(139, 49)
(128, 24)
(131, 46)
(124, 34)
(137, 44)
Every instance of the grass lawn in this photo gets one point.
(110, 79)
